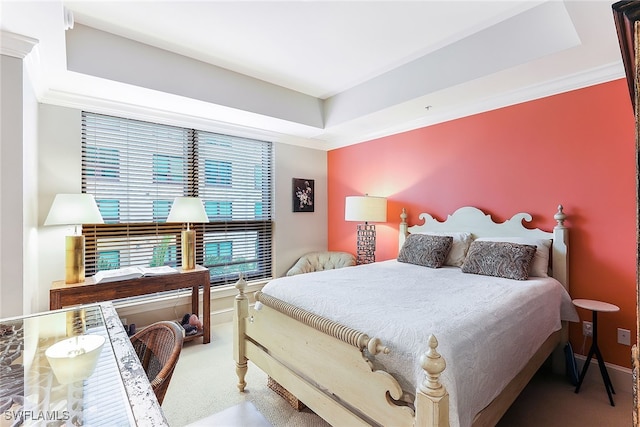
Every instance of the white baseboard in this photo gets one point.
(222, 316)
(171, 306)
(179, 297)
(621, 377)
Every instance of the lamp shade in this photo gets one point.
(73, 209)
(365, 208)
(187, 209)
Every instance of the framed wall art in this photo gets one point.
(303, 193)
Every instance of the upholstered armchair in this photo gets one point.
(323, 260)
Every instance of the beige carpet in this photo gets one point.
(204, 383)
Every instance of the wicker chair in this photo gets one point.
(158, 347)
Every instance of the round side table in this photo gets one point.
(595, 307)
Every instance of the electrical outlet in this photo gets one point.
(624, 336)
(587, 328)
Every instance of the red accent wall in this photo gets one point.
(576, 149)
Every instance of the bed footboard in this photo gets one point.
(432, 398)
(293, 346)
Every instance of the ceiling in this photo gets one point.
(323, 74)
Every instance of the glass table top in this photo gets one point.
(77, 385)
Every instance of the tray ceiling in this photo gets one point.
(317, 73)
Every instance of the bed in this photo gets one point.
(448, 346)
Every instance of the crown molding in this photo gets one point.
(576, 81)
(16, 45)
(140, 112)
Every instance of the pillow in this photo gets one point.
(500, 259)
(540, 265)
(459, 248)
(425, 250)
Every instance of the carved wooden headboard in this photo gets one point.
(473, 220)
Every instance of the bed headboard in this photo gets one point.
(478, 223)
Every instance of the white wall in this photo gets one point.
(298, 232)
(18, 187)
(32, 296)
(11, 200)
(18, 177)
(59, 171)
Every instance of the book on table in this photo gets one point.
(133, 272)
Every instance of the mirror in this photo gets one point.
(626, 16)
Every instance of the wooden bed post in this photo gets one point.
(560, 267)
(403, 230)
(560, 257)
(240, 314)
(432, 399)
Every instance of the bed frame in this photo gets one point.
(323, 363)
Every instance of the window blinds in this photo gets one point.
(135, 169)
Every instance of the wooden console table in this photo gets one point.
(62, 294)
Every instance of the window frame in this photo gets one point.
(261, 229)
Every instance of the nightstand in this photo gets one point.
(595, 307)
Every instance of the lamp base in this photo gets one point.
(76, 322)
(366, 244)
(74, 259)
(188, 249)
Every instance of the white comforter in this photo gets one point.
(487, 327)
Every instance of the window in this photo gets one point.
(102, 163)
(167, 169)
(135, 169)
(161, 210)
(218, 210)
(217, 173)
(164, 253)
(218, 250)
(109, 209)
(108, 260)
(257, 171)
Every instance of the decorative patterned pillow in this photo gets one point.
(500, 259)
(425, 250)
(459, 247)
(540, 262)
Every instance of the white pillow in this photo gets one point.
(540, 263)
(459, 248)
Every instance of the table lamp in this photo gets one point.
(365, 209)
(74, 209)
(188, 210)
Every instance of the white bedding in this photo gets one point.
(491, 325)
